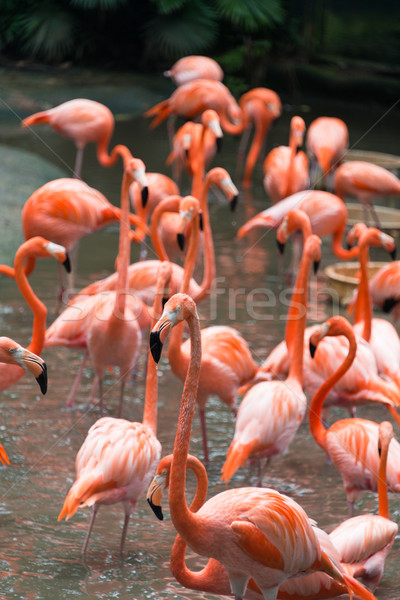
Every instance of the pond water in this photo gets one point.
(40, 558)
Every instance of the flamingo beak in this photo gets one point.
(35, 365)
(201, 221)
(281, 246)
(67, 263)
(234, 202)
(154, 495)
(388, 304)
(316, 264)
(180, 238)
(393, 253)
(218, 143)
(145, 195)
(313, 348)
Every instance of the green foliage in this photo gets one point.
(191, 29)
(251, 15)
(166, 7)
(98, 4)
(48, 31)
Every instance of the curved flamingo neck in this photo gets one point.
(181, 515)
(383, 500)
(234, 128)
(198, 163)
(337, 245)
(38, 308)
(314, 416)
(106, 159)
(293, 145)
(261, 127)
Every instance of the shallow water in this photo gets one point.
(40, 558)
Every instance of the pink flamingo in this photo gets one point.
(327, 214)
(36, 247)
(381, 335)
(286, 167)
(194, 67)
(351, 443)
(118, 458)
(181, 141)
(227, 362)
(384, 288)
(363, 542)
(283, 403)
(252, 532)
(365, 181)
(213, 578)
(327, 141)
(82, 121)
(65, 210)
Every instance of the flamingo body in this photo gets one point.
(194, 67)
(327, 140)
(365, 181)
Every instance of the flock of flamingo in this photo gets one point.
(259, 542)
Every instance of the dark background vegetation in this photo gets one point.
(350, 48)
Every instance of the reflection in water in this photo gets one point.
(39, 557)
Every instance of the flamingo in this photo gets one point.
(365, 181)
(160, 186)
(190, 99)
(114, 335)
(283, 403)
(227, 362)
(327, 141)
(36, 247)
(82, 121)
(12, 353)
(118, 457)
(361, 384)
(364, 541)
(194, 67)
(384, 288)
(252, 532)
(327, 213)
(213, 578)
(260, 108)
(286, 167)
(379, 333)
(351, 443)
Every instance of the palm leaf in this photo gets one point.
(252, 14)
(48, 33)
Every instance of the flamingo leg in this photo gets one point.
(78, 163)
(121, 398)
(124, 532)
(77, 380)
(86, 542)
(93, 390)
(202, 415)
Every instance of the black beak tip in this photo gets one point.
(145, 195)
(312, 349)
(388, 304)
(316, 266)
(156, 346)
(67, 264)
(42, 379)
(164, 301)
(201, 225)
(281, 247)
(157, 510)
(234, 202)
(181, 240)
(349, 246)
(218, 142)
(393, 254)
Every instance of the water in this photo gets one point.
(40, 558)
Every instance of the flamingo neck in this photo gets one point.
(234, 128)
(293, 145)
(295, 342)
(183, 519)
(363, 301)
(383, 500)
(175, 354)
(209, 254)
(198, 164)
(170, 204)
(123, 250)
(38, 308)
(262, 124)
(337, 246)
(151, 393)
(108, 160)
(314, 416)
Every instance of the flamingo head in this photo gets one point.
(334, 326)
(189, 209)
(16, 354)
